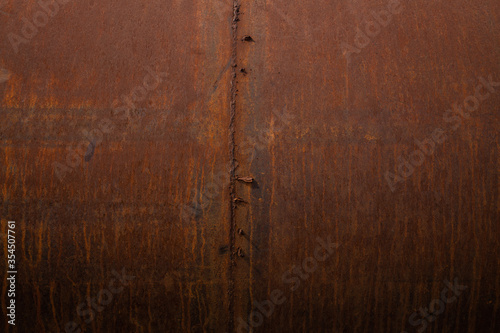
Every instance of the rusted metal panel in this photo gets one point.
(349, 196)
(324, 113)
(114, 204)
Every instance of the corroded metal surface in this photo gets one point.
(357, 189)
(355, 105)
(118, 203)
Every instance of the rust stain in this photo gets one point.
(362, 97)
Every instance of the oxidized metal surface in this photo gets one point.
(116, 204)
(352, 193)
(329, 113)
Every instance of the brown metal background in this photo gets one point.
(321, 175)
(324, 174)
(122, 208)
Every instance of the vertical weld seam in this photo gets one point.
(232, 176)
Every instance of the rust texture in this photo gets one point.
(233, 164)
(122, 207)
(361, 175)
(319, 131)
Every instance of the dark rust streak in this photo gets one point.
(232, 188)
(90, 152)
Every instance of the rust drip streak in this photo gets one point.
(232, 183)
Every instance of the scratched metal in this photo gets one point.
(120, 207)
(323, 175)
